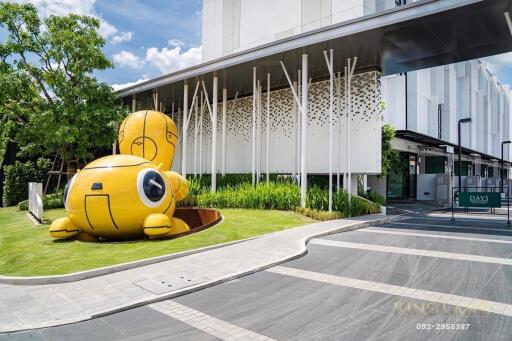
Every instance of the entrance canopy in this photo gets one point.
(418, 35)
(433, 142)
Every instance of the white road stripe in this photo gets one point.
(208, 324)
(414, 252)
(441, 236)
(425, 295)
(454, 227)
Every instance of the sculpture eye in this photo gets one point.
(151, 187)
(67, 189)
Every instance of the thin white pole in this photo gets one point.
(172, 110)
(329, 61)
(254, 94)
(351, 67)
(258, 137)
(214, 133)
(338, 113)
(196, 131)
(184, 138)
(299, 134)
(268, 122)
(224, 110)
(304, 106)
(296, 137)
(155, 99)
(201, 136)
(345, 166)
(134, 103)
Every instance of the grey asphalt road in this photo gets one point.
(418, 279)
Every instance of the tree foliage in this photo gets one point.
(49, 98)
(389, 156)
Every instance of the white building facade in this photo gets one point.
(231, 26)
(428, 102)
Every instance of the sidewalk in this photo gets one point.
(29, 307)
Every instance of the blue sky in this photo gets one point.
(147, 38)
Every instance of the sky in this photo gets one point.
(144, 38)
(148, 38)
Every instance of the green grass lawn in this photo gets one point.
(28, 250)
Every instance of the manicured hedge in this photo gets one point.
(18, 175)
(284, 196)
(49, 201)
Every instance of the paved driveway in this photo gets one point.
(419, 279)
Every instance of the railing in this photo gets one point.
(483, 197)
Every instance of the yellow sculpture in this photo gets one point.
(127, 196)
(151, 135)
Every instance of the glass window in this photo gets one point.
(490, 172)
(434, 164)
(465, 168)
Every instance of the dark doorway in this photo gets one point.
(401, 181)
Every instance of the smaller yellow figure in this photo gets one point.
(121, 197)
(150, 135)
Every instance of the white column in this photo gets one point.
(196, 131)
(201, 136)
(268, 124)
(299, 123)
(214, 133)
(134, 103)
(224, 109)
(329, 61)
(184, 129)
(303, 170)
(254, 94)
(172, 111)
(296, 136)
(258, 137)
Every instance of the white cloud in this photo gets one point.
(80, 7)
(125, 58)
(123, 36)
(172, 59)
(499, 61)
(176, 42)
(117, 87)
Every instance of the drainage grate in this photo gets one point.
(165, 284)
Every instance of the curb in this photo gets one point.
(355, 226)
(78, 276)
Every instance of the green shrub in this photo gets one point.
(280, 196)
(319, 215)
(18, 175)
(49, 201)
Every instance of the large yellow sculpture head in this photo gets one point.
(150, 135)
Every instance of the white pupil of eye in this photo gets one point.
(153, 182)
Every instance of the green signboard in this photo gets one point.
(479, 199)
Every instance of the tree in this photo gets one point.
(49, 92)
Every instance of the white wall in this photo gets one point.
(366, 133)
(465, 89)
(234, 25)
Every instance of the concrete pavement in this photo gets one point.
(37, 306)
(382, 292)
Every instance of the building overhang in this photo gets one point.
(419, 35)
(426, 140)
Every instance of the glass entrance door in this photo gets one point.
(401, 180)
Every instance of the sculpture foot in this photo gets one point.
(157, 224)
(178, 227)
(63, 228)
(86, 237)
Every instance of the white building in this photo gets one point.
(251, 108)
